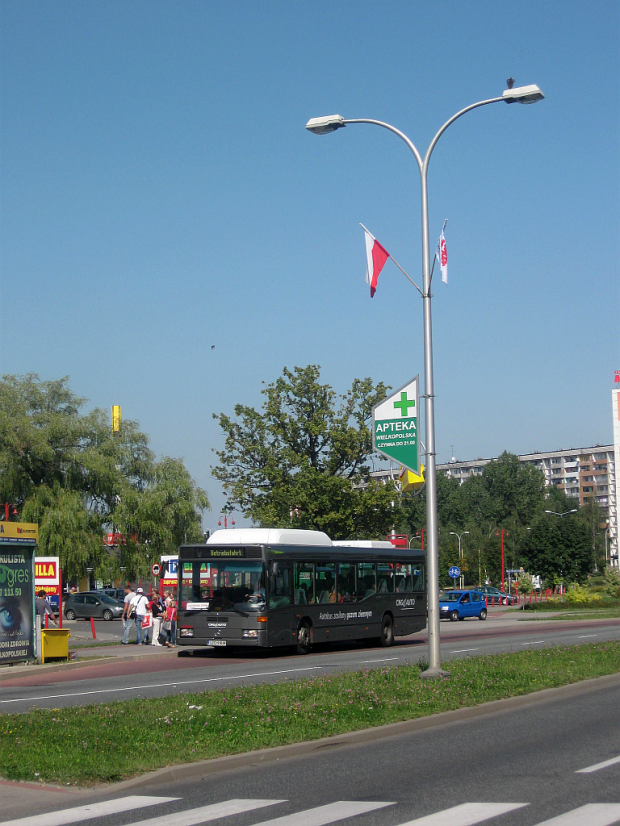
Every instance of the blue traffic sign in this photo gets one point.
(454, 572)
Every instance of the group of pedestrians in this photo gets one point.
(154, 614)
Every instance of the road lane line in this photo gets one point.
(585, 636)
(384, 660)
(323, 815)
(467, 814)
(463, 650)
(593, 814)
(535, 642)
(203, 814)
(80, 813)
(595, 767)
(163, 685)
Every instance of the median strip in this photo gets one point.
(113, 741)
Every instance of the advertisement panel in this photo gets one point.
(47, 578)
(169, 580)
(16, 602)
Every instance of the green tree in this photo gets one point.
(558, 549)
(303, 460)
(65, 470)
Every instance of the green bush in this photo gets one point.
(579, 595)
(611, 577)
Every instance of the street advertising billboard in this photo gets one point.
(47, 578)
(16, 602)
(395, 426)
(169, 580)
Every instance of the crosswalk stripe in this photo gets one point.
(325, 814)
(467, 814)
(593, 814)
(81, 813)
(598, 766)
(203, 814)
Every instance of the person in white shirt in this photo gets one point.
(140, 603)
(129, 596)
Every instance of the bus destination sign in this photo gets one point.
(395, 426)
(227, 553)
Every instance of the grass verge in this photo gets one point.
(111, 742)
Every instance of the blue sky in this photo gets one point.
(160, 194)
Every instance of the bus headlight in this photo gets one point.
(249, 634)
(187, 632)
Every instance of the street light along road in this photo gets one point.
(555, 513)
(330, 123)
(465, 533)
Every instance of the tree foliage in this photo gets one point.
(64, 469)
(303, 460)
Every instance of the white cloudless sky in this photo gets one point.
(160, 194)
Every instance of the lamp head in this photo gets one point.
(321, 126)
(523, 94)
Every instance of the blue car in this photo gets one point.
(456, 605)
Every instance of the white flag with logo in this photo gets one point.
(441, 253)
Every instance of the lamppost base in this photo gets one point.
(435, 674)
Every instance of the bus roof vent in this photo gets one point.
(268, 536)
(362, 543)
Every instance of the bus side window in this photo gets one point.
(385, 577)
(346, 582)
(366, 580)
(418, 578)
(303, 583)
(280, 585)
(325, 582)
(404, 581)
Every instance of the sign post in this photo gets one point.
(395, 427)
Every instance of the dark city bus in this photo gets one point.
(266, 588)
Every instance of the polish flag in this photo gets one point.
(376, 256)
(441, 254)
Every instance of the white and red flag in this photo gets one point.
(441, 253)
(376, 256)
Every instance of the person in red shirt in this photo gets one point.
(170, 624)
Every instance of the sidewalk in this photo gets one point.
(88, 651)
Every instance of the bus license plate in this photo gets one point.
(216, 642)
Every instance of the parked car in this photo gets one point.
(501, 598)
(115, 593)
(92, 604)
(456, 605)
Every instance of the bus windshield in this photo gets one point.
(235, 585)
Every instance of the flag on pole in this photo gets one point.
(376, 256)
(441, 253)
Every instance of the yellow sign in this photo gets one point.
(116, 418)
(410, 480)
(19, 532)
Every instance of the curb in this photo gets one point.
(203, 768)
(14, 672)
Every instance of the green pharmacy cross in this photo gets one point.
(404, 404)
(395, 426)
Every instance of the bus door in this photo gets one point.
(279, 603)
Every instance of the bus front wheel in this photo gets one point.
(304, 638)
(387, 631)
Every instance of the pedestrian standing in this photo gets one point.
(129, 595)
(170, 624)
(157, 609)
(43, 608)
(139, 604)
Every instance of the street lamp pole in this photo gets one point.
(502, 532)
(322, 126)
(465, 533)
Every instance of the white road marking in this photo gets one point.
(467, 814)
(324, 814)
(163, 685)
(598, 766)
(80, 813)
(203, 814)
(594, 814)
(384, 660)
(535, 642)
(585, 636)
(463, 650)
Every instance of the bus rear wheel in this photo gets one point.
(387, 631)
(304, 638)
